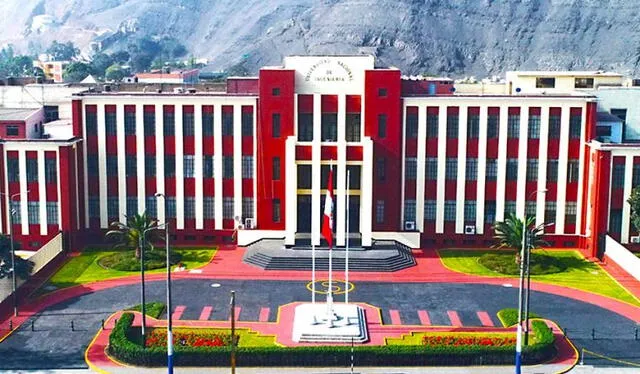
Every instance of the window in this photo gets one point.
(247, 207)
(409, 210)
(149, 123)
(490, 212)
(615, 221)
(432, 126)
(207, 123)
(131, 165)
(275, 125)
(52, 212)
(545, 82)
(51, 113)
(451, 169)
(227, 164)
(617, 179)
(275, 91)
(353, 127)
(492, 169)
(382, 126)
(304, 177)
(50, 170)
(112, 207)
(452, 126)
(94, 207)
(513, 126)
(552, 170)
(16, 212)
(550, 212)
(189, 207)
(354, 176)
(554, 127)
(168, 121)
(151, 206)
(382, 92)
(247, 167)
(430, 210)
(512, 169)
(169, 165)
(635, 181)
(247, 123)
(470, 211)
(493, 124)
(110, 123)
(150, 166)
(473, 126)
(530, 208)
(620, 113)
(188, 164)
(275, 168)
(33, 210)
(532, 169)
(112, 165)
(305, 127)
(575, 126)
(91, 122)
(324, 176)
(380, 211)
(411, 165)
(509, 207)
(132, 206)
(227, 123)
(412, 125)
(170, 207)
(472, 169)
(431, 166)
(92, 165)
(573, 171)
(13, 169)
(534, 126)
(129, 120)
(32, 169)
(329, 127)
(209, 208)
(188, 122)
(449, 210)
(275, 210)
(583, 83)
(570, 212)
(207, 166)
(381, 168)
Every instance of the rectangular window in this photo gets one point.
(452, 126)
(380, 211)
(615, 221)
(305, 127)
(33, 210)
(304, 177)
(451, 169)
(382, 92)
(450, 210)
(329, 127)
(381, 168)
(17, 212)
(112, 165)
(51, 113)
(412, 125)
(353, 127)
(493, 126)
(207, 123)
(247, 167)
(51, 170)
(209, 207)
(410, 165)
(530, 208)
(189, 207)
(247, 123)
(545, 82)
(583, 83)
(534, 126)
(492, 169)
(469, 211)
(473, 126)
(13, 169)
(52, 212)
(94, 207)
(132, 206)
(512, 169)
(532, 169)
(554, 127)
(131, 165)
(509, 207)
(227, 123)
(431, 166)
(430, 210)
(513, 126)
(409, 210)
(472, 169)
(113, 210)
(432, 126)
(275, 91)
(151, 206)
(247, 207)
(92, 165)
(129, 120)
(276, 169)
(354, 176)
(275, 125)
(188, 165)
(91, 122)
(207, 166)
(549, 212)
(170, 206)
(168, 121)
(275, 210)
(617, 179)
(570, 212)
(552, 170)
(573, 171)
(635, 181)
(149, 120)
(110, 123)
(382, 126)
(150, 166)
(490, 212)
(32, 169)
(169, 165)
(13, 131)
(188, 122)
(227, 164)
(575, 126)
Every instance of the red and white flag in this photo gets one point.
(327, 219)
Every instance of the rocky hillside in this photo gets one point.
(455, 37)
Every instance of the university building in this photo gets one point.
(428, 165)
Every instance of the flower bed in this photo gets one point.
(464, 341)
(158, 338)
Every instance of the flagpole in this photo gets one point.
(313, 271)
(330, 292)
(346, 261)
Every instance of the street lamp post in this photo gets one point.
(232, 305)
(14, 284)
(169, 317)
(527, 296)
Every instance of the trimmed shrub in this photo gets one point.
(153, 309)
(504, 263)
(509, 316)
(127, 261)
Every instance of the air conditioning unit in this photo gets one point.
(178, 90)
(248, 223)
(469, 230)
(409, 226)
(635, 239)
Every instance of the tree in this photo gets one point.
(12, 65)
(76, 71)
(127, 235)
(634, 202)
(114, 73)
(100, 63)
(23, 267)
(508, 234)
(62, 51)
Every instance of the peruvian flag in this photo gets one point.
(327, 219)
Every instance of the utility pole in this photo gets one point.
(233, 332)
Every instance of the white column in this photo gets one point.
(502, 163)
(255, 165)
(316, 183)
(366, 193)
(420, 171)
(4, 222)
(237, 161)
(59, 189)
(442, 160)
(462, 168)
(542, 165)
(84, 168)
(179, 168)
(341, 208)
(482, 169)
(102, 167)
(562, 169)
(217, 164)
(160, 203)
(140, 155)
(23, 197)
(403, 163)
(199, 188)
(522, 162)
(626, 208)
(76, 182)
(582, 163)
(42, 193)
(122, 176)
(291, 196)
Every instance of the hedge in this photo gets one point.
(509, 316)
(124, 349)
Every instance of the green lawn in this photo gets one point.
(580, 274)
(85, 268)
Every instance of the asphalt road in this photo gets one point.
(52, 344)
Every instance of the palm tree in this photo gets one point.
(128, 234)
(508, 234)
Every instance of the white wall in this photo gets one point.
(623, 257)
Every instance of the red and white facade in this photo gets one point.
(428, 167)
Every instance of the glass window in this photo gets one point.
(275, 169)
(550, 212)
(532, 169)
(573, 171)
(513, 126)
(305, 127)
(452, 126)
(151, 206)
(275, 91)
(275, 125)
(449, 210)
(189, 207)
(382, 92)
(227, 123)
(110, 123)
(131, 165)
(469, 211)
(188, 163)
(16, 212)
(554, 127)
(207, 123)
(412, 125)
(92, 165)
(13, 131)
(112, 165)
(91, 121)
(13, 169)
(615, 221)
(534, 126)
(382, 126)
(509, 207)
(33, 210)
(51, 113)
(575, 126)
(451, 170)
(247, 207)
(170, 206)
(51, 170)
(636, 175)
(132, 206)
(381, 168)
(247, 123)
(492, 169)
(188, 122)
(490, 212)
(169, 165)
(431, 166)
(129, 120)
(168, 121)
(324, 176)
(409, 210)
(430, 210)
(94, 207)
(113, 211)
(545, 82)
(472, 169)
(149, 120)
(432, 126)
(473, 126)
(583, 83)
(207, 166)
(570, 212)
(354, 176)
(32, 169)
(411, 165)
(530, 208)
(304, 177)
(380, 211)
(227, 164)
(52, 212)
(209, 207)
(552, 170)
(353, 127)
(329, 124)
(493, 125)
(247, 167)
(150, 165)
(512, 169)
(275, 210)
(617, 179)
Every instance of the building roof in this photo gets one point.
(607, 117)
(544, 73)
(16, 114)
(171, 74)
(61, 129)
